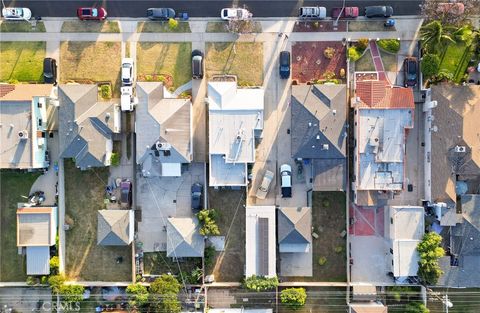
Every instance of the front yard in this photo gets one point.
(13, 185)
(321, 300)
(157, 263)
(90, 27)
(85, 260)
(162, 27)
(21, 27)
(22, 61)
(454, 60)
(90, 62)
(167, 62)
(243, 59)
(228, 266)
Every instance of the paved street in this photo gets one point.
(206, 8)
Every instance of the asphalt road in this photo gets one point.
(203, 8)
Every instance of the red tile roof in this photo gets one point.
(4, 89)
(379, 95)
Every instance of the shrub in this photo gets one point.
(338, 249)
(342, 73)
(329, 52)
(354, 54)
(149, 78)
(294, 298)
(12, 81)
(72, 293)
(172, 23)
(31, 280)
(106, 91)
(165, 284)
(390, 45)
(430, 65)
(56, 282)
(207, 219)
(54, 265)
(430, 251)
(44, 280)
(322, 260)
(208, 255)
(326, 202)
(442, 76)
(329, 75)
(115, 159)
(260, 283)
(416, 307)
(362, 44)
(137, 295)
(316, 24)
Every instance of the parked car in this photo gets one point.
(378, 11)
(197, 64)
(312, 13)
(348, 12)
(160, 14)
(197, 190)
(286, 180)
(127, 71)
(410, 71)
(235, 14)
(262, 190)
(126, 192)
(284, 64)
(92, 13)
(16, 14)
(126, 98)
(49, 71)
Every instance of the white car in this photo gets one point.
(16, 14)
(265, 185)
(286, 180)
(235, 14)
(127, 72)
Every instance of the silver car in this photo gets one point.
(16, 14)
(265, 185)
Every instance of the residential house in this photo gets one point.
(460, 266)
(87, 127)
(183, 238)
(37, 231)
(404, 229)
(294, 228)
(260, 242)
(163, 128)
(455, 142)
(115, 227)
(383, 116)
(23, 125)
(319, 132)
(367, 307)
(235, 119)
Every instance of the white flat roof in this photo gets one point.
(381, 148)
(226, 174)
(260, 251)
(227, 96)
(38, 260)
(405, 258)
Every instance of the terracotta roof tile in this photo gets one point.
(4, 89)
(379, 95)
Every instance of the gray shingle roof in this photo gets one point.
(294, 225)
(85, 125)
(184, 239)
(113, 227)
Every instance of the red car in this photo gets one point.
(92, 13)
(348, 12)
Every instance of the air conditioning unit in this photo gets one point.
(460, 149)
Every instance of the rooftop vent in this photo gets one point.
(460, 149)
(22, 135)
(162, 146)
(325, 146)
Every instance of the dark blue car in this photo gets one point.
(284, 64)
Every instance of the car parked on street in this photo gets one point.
(49, 71)
(16, 14)
(262, 190)
(197, 64)
(93, 13)
(126, 192)
(127, 72)
(378, 11)
(312, 13)
(286, 180)
(235, 14)
(410, 71)
(197, 191)
(160, 14)
(284, 65)
(348, 12)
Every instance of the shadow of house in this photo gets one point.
(319, 132)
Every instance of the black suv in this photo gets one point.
(197, 64)
(284, 64)
(161, 14)
(50, 71)
(410, 71)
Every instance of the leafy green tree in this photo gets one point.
(207, 219)
(260, 283)
(54, 265)
(137, 295)
(164, 294)
(464, 34)
(430, 251)
(56, 282)
(72, 293)
(170, 304)
(293, 298)
(172, 23)
(430, 65)
(165, 284)
(434, 34)
(416, 307)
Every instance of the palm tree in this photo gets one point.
(435, 34)
(464, 34)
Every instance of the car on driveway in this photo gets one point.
(262, 190)
(197, 190)
(348, 12)
(378, 11)
(126, 192)
(98, 14)
(16, 14)
(410, 71)
(235, 14)
(286, 180)
(197, 64)
(284, 65)
(49, 71)
(160, 14)
(127, 72)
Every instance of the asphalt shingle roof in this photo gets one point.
(294, 225)
(184, 239)
(113, 227)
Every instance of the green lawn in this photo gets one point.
(243, 59)
(157, 263)
(389, 61)
(368, 26)
(365, 63)
(162, 27)
(454, 60)
(22, 60)
(13, 185)
(90, 27)
(169, 60)
(21, 27)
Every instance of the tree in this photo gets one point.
(165, 284)
(207, 219)
(72, 293)
(435, 34)
(431, 11)
(430, 251)
(169, 304)
(172, 23)
(416, 307)
(137, 295)
(54, 265)
(464, 34)
(164, 293)
(260, 283)
(430, 65)
(294, 298)
(56, 282)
